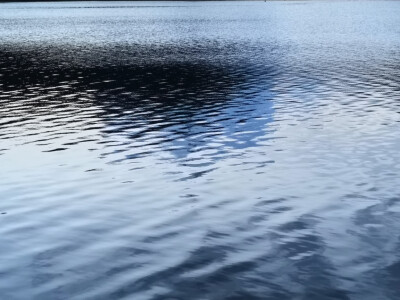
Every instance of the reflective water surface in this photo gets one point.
(200, 150)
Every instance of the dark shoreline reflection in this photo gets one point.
(190, 103)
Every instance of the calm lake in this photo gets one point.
(200, 150)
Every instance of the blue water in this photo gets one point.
(200, 150)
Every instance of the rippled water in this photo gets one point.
(209, 150)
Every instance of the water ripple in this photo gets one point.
(199, 151)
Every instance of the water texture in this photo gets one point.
(200, 150)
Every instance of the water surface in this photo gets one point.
(200, 150)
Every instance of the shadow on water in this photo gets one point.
(188, 104)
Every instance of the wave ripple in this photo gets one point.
(200, 151)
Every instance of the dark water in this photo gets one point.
(195, 151)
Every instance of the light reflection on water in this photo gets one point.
(170, 150)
